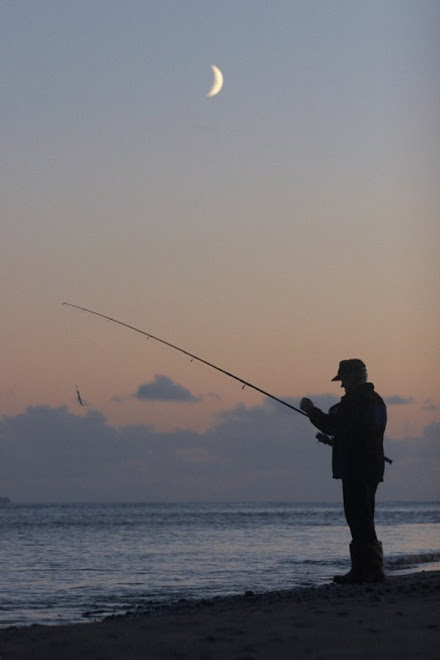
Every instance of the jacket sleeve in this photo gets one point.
(326, 423)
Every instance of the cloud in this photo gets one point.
(430, 406)
(260, 453)
(163, 388)
(397, 400)
(250, 454)
(415, 473)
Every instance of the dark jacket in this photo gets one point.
(357, 424)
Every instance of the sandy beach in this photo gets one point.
(397, 619)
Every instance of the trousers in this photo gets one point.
(359, 504)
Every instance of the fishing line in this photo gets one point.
(72, 362)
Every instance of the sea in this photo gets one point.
(66, 563)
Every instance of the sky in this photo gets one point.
(285, 224)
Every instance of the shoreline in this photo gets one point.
(394, 619)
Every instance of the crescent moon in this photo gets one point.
(217, 83)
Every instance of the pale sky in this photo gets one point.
(285, 224)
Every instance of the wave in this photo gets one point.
(410, 561)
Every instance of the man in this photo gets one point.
(356, 426)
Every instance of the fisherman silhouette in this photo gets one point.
(356, 426)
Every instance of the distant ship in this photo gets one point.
(5, 500)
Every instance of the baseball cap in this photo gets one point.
(351, 366)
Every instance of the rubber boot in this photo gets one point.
(373, 563)
(355, 574)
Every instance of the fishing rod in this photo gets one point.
(245, 383)
(320, 437)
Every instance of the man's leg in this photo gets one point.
(351, 499)
(365, 550)
(359, 505)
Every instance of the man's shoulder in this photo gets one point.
(366, 393)
(375, 396)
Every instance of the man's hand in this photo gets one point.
(306, 405)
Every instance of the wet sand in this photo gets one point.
(397, 619)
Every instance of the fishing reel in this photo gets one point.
(324, 439)
(328, 440)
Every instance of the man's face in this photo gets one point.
(349, 381)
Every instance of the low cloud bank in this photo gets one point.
(259, 453)
(397, 400)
